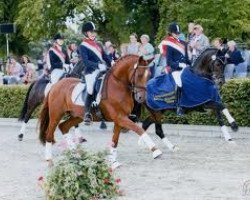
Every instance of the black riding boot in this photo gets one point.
(88, 103)
(179, 110)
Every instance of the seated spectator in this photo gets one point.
(218, 44)
(235, 62)
(146, 49)
(29, 69)
(106, 46)
(133, 46)
(124, 49)
(72, 53)
(14, 72)
(112, 53)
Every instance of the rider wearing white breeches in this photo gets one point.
(95, 60)
(57, 59)
(177, 58)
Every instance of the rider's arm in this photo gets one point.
(170, 59)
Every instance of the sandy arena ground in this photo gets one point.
(205, 168)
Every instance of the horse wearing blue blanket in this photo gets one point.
(200, 88)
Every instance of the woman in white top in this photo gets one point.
(146, 49)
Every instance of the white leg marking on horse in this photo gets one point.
(170, 146)
(112, 158)
(229, 117)
(225, 132)
(48, 151)
(147, 140)
(23, 128)
(146, 73)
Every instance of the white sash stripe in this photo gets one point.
(175, 46)
(99, 55)
(59, 56)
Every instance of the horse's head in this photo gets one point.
(139, 77)
(211, 65)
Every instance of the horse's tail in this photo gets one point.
(44, 120)
(25, 103)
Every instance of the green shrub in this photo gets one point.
(81, 175)
(11, 100)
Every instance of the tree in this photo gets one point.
(8, 14)
(220, 18)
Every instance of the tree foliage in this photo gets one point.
(219, 18)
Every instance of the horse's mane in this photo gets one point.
(123, 58)
(199, 60)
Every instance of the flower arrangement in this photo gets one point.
(80, 175)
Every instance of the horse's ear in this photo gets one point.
(140, 60)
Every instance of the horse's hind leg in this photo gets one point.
(66, 125)
(50, 134)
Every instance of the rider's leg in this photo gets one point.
(90, 81)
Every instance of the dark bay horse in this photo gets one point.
(36, 94)
(208, 66)
(127, 77)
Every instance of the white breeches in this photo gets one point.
(177, 77)
(56, 74)
(90, 81)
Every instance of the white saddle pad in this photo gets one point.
(79, 94)
(47, 89)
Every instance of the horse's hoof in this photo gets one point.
(82, 140)
(115, 165)
(231, 142)
(103, 125)
(234, 126)
(157, 153)
(20, 137)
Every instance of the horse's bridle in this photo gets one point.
(132, 86)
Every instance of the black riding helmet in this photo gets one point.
(174, 28)
(88, 26)
(58, 36)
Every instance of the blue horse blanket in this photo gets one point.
(196, 90)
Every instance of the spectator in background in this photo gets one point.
(124, 49)
(112, 53)
(146, 49)
(72, 53)
(218, 44)
(29, 70)
(234, 62)
(191, 33)
(106, 46)
(14, 72)
(133, 47)
(198, 43)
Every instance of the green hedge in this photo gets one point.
(235, 95)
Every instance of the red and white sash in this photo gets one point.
(59, 54)
(92, 46)
(176, 44)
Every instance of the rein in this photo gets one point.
(132, 86)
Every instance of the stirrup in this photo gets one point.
(87, 119)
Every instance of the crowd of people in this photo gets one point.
(237, 61)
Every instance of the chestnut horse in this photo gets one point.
(127, 77)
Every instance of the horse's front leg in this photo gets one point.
(112, 157)
(125, 122)
(230, 119)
